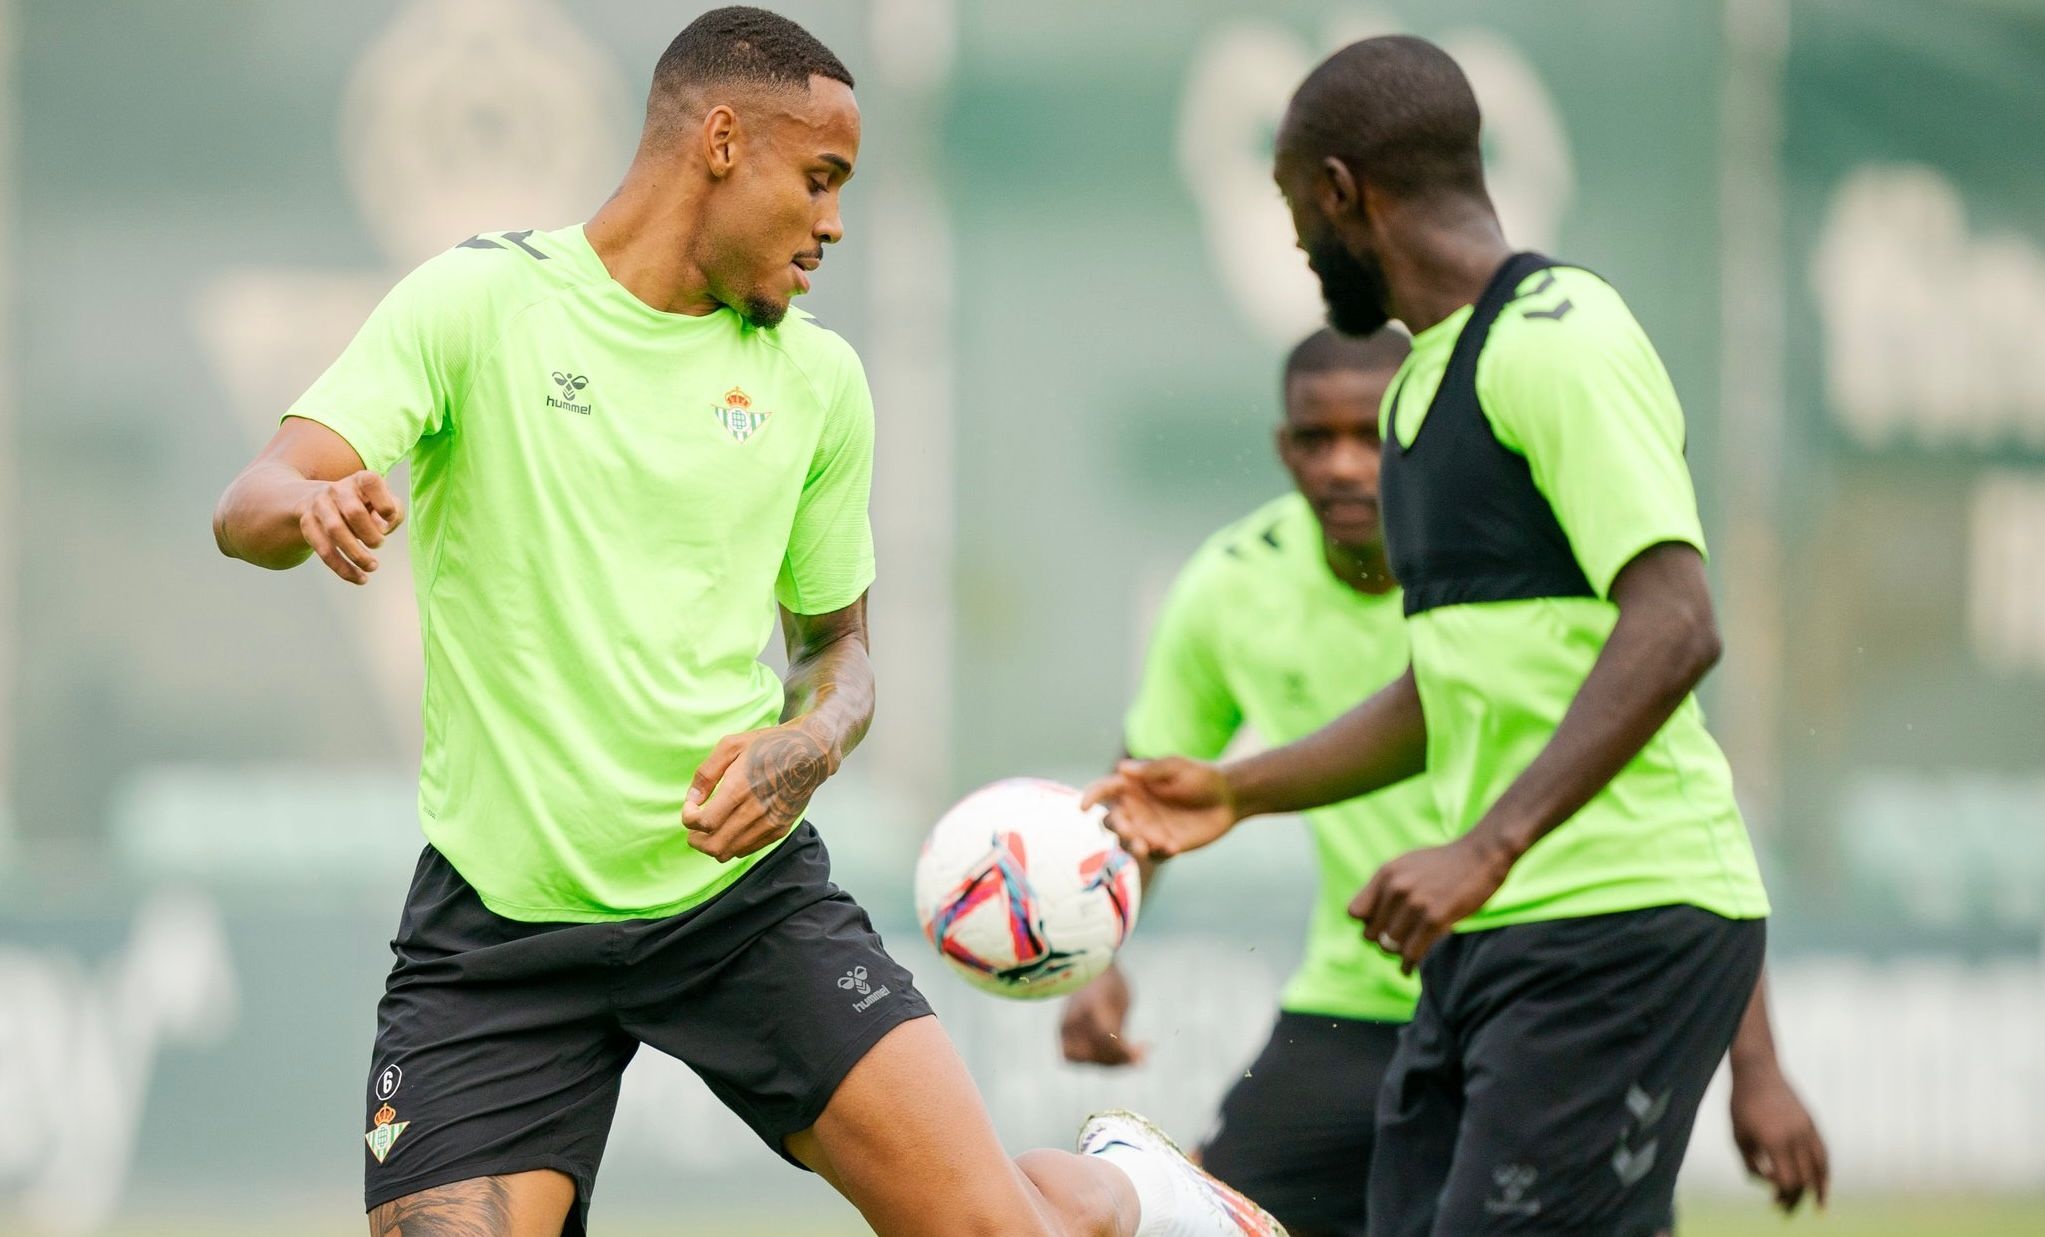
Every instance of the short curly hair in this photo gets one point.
(741, 45)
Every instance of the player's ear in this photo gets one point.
(1338, 190)
(720, 140)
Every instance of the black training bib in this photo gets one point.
(1464, 521)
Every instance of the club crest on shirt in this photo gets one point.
(738, 416)
(385, 1136)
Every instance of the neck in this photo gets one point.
(1438, 258)
(645, 238)
(1362, 568)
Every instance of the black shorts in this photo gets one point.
(1551, 1074)
(500, 1044)
(1296, 1130)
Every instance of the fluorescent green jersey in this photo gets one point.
(1569, 381)
(1257, 629)
(607, 502)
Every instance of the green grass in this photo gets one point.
(1872, 1218)
(1857, 1218)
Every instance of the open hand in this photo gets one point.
(753, 788)
(1413, 901)
(1161, 808)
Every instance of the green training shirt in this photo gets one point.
(607, 502)
(1258, 629)
(1580, 394)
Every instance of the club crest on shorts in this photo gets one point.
(738, 416)
(385, 1135)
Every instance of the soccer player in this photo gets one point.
(1590, 937)
(1282, 621)
(625, 448)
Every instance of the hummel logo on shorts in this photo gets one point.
(855, 980)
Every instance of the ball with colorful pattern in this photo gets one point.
(1023, 894)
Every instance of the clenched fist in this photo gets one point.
(345, 521)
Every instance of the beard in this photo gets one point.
(762, 310)
(1354, 289)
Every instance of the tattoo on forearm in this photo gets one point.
(480, 1207)
(785, 770)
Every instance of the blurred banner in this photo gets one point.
(1072, 282)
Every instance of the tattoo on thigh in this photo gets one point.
(476, 1208)
(786, 770)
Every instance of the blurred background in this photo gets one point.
(1072, 284)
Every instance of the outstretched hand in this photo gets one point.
(1161, 808)
(753, 788)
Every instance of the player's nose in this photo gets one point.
(830, 227)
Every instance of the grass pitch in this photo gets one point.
(1854, 1218)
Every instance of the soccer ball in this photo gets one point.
(1024, 894)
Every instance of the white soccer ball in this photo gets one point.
(1022, 893)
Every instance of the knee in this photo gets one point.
(1078, 1194)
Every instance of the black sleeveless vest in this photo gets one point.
(1464, 521)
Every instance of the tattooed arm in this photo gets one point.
(753, 787)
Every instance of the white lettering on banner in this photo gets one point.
(2006, 571)
(78, 1046)
(1931, 330)
(1243, 73)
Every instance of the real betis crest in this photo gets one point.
(738, 416)
(385, 1135)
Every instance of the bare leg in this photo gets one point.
(907, 1140)
(533, 1204)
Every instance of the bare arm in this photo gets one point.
(1166, 807)
(754, 786)
(1661, 645)
(307, 493)
(1377, 743)
(829, 679)
(1664, 642)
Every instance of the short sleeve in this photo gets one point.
(829, 562)
(1183, 706)
(1583, 397)
(404, 374)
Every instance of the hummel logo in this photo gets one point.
(1513, 1182)
(1631, 1163)
(855, 980)
(571, 385)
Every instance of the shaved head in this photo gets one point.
(1397, 111)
